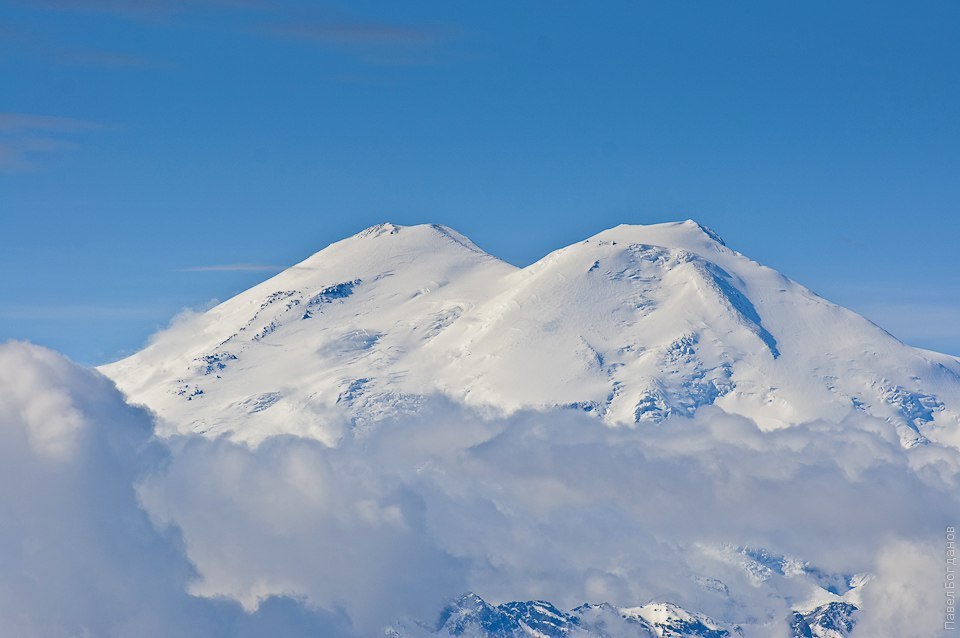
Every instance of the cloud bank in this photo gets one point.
(78, 554)
(112, 531)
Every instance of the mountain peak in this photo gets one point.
(706, 230)
(687, 235)
(378, 230)
(417, 233)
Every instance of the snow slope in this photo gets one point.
(635, 324)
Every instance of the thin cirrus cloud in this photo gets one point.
(32, 43)
(31, 122)
(142, 8)
(26, 137)
(81, 312)
(372, 41)
(105, 59)
(235, 268)
(356, 33)
(124, 8)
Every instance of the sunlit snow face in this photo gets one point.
(635, 325)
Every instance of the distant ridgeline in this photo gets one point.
(471, 616)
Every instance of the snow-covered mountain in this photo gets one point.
(831, 609)
(471, 616)
(635, 324)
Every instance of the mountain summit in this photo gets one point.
(636, 325)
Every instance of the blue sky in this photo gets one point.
(143, 142)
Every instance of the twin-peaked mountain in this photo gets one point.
(635, 324)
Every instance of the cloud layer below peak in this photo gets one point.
(112, 531)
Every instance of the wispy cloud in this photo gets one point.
(106, 59)
(30, 42)
(26, 136)
(235, 268)
(29, 122)
(19, 155)
(375, 42)
(126, 8)
(74, 312)
(350, 34)
(150, 9)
